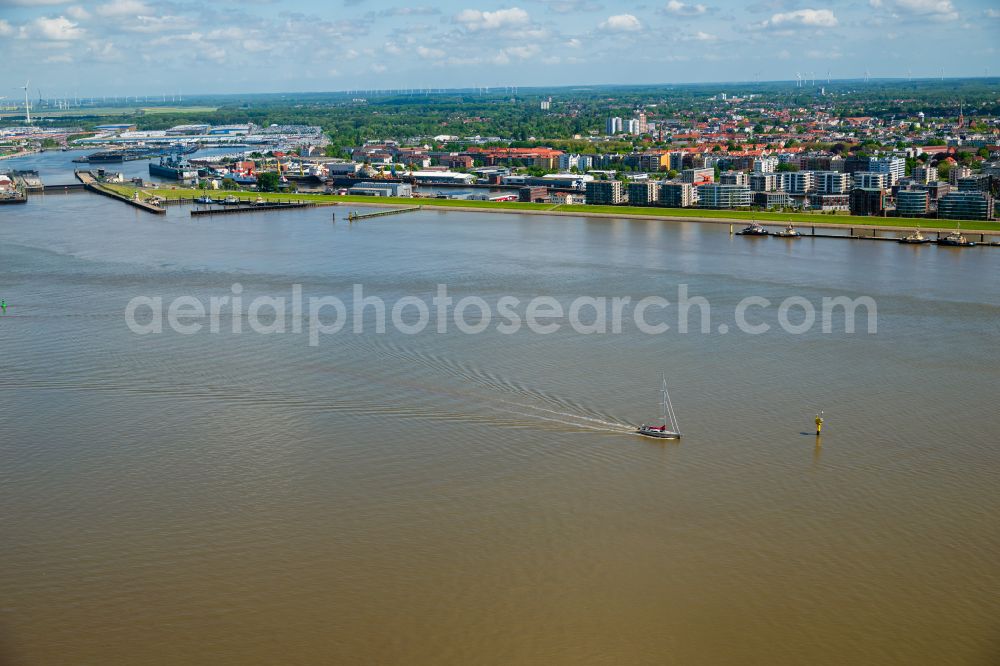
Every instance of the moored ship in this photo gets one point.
(174, 168)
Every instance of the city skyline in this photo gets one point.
(129, 47)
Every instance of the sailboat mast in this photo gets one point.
(668, 409)
(663, 401)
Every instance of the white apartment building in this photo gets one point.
(895, 167)
(832, 182)
(870, 180)
(765, 165)
(797, 182)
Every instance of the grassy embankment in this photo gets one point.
(631, 211)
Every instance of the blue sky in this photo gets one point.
(129, 47)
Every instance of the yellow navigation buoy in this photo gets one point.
(819, 423)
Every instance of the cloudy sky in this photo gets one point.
(128, 47)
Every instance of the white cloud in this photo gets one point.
(621, 23)
(58, 59)
(522, 52)
(5, 28)
(681, 9)
(104, 51)
(941, 10)
(475, 20)
(379, 68)
(809, 18)
(992, 13)
(159, 24)
(704, 37)
(430, 53)
(255, 45)
(124, 8)
(57, 29)
(77, 12)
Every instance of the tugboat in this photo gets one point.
(204, 199)
(916, 238)
(668, 428)
(230, 200)
(788, 232)
(956, 239)
(753, 229)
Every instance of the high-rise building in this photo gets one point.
(894, 167)
(653, 161)
(546, 104)
(765, 182)
(925, 174)
(958, 171)
(966, 206)
(643, 122)
(912, 203)
(797, 182)
(832, 182)
(614, 126)
(643, 194)
(568, 161)
(698, 175)
(936, 190)
(677, 195)
(765, 164)
(734, 178)
(717, 195)
(978, 183)
(633, 126)
(855, 163)
(605, 192)
(867, 201)
(870, 179)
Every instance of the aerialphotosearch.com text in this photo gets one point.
(319, 316)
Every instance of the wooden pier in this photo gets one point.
(252, 208)
(354, 216)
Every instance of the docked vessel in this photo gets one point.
(173, 168)
(113, 156)
(753, 229)
(668, 428)
(956, 239)
(788, 232)
(916, 238)
(204, 199)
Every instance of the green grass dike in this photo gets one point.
(693, 214)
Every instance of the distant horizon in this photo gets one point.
(807, 87)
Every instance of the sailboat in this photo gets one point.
(668, 428)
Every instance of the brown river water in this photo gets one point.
(450, 498)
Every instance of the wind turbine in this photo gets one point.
(27, 105)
